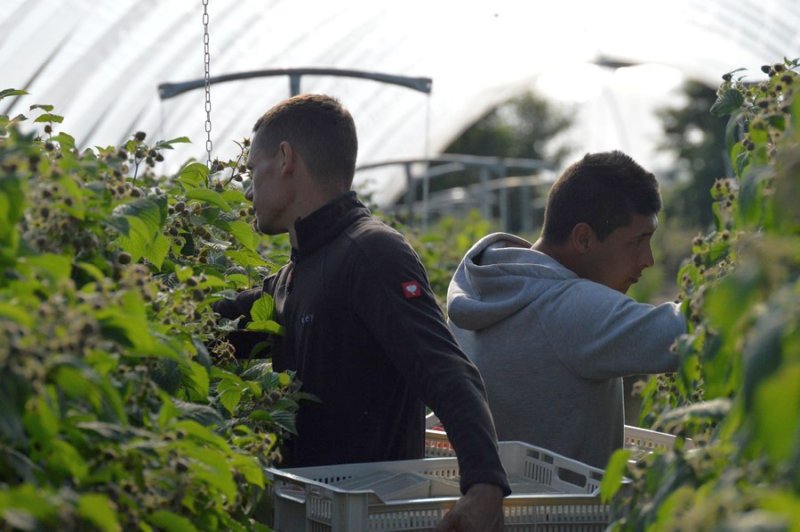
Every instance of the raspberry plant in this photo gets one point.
(122, 408)
(737, 393)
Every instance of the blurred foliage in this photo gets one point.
(523, 127)
(121, 408)
(697, 140)
(737, 392)
(444, 244)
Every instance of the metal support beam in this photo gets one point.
(170, 90)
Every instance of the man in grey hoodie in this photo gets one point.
(549, 325)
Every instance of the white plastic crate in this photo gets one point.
(637, 439)
(650, 440)
(550, 492)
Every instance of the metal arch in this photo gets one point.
(456, 162)
(466, 160)
(421, 84)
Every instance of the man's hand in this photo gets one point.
(480, 510)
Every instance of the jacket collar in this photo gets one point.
(326, 223)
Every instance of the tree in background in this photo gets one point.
(522, 127)
(697, 139)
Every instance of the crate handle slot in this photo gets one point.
(573, 477)
(291, 491)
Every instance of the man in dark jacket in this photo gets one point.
(362, 328)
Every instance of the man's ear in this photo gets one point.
(581, 237)
(288, 158)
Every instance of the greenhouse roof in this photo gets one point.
(100, 63)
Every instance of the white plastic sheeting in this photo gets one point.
(100, 61)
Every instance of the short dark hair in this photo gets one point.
(319, 128)
(603, 190)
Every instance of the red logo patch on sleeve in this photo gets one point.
(412, 289)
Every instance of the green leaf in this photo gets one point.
(234, 196)
(16, 314)
(195, 379)
(66, 458)
(285, 420)
(763, 351)
(193, 175)
(244, 234)
(230, 388)
(727, 102)
(263, 308)
(205, 435)
(54, 267)
(21, 506)
(44, 107)
(725, 302)
(167, 144)
(203, 414)
(171, 522)
(41, 420)
(777, 413)
(99, 510)
(141, 224)
(66, 141)
(250, 467)
(184, 273)
(706, 411)
(93, 271)
(209, 196)
(5, 93)
(615, 472)
(230, 397)
(114, 431)
(77, 385)
(168, 412)
(238, 280)
(246, 258)
(128, 325)
(269, 326)
(47, 117)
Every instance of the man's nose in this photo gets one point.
(648, 260)
(249, 193)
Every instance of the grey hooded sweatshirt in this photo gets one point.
(552, 348)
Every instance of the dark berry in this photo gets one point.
(140, 136)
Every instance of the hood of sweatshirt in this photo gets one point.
(498, 276)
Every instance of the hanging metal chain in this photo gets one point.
(207, 64)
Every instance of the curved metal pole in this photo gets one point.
(170, 90)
